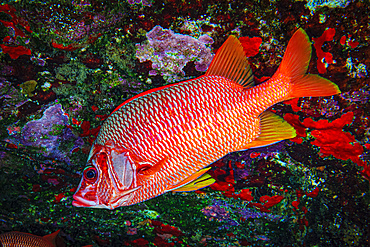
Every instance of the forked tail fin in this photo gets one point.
(295, 63)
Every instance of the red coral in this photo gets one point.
(295, 204)
(225, 184)
(94, 108)
(342, 145)
(221, 186)
(10, 10)
(161, 228)
(270, 201)
(254, 155)
(245, 194)
(85, 126)
(87, 131)
(350, 42)
(158, 241)
(294, 104)
(353, 44)
(36, 188)
(75, 46)
(298, 126)
(58, 197)
(267, 202)
(343, 40)
(331, 138)
(251, 46)
(140, 242)
(299, 193)
(313, 193)
(15, 51)
(328, 35)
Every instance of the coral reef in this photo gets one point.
(66, 65)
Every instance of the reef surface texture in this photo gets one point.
(66, 65)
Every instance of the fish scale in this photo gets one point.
(229, 130)
(162, 140)
(136, 138)
(21, 239)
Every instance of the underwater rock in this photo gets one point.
(51, 133)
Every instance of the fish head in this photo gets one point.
(109, 179)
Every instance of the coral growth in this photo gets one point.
(315, 4)
(221, 211)
(331, 138)
(251, 46)
(170, 52)
(323, 58)
(12, 45)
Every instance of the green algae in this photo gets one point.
(74, 71)
(28, 87)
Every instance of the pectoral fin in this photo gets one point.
(147, 169)
(196, 181)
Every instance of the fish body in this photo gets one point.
(163, 139)
(21, 239)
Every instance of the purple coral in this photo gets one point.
(170, 52)
(49, 133)
(143, 2)
(221, 211)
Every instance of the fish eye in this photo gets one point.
(90, 173)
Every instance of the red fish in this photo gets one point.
(21, 239)
(163, 139)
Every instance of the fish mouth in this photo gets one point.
(81, 202)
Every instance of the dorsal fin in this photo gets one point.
(51, 237)
(231, 63)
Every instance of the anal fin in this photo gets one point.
(196, 181)
(272, 130)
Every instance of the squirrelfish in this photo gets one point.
(21, 239)
(162, 140)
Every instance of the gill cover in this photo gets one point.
(109, 179)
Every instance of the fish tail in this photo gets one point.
(295, 64)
